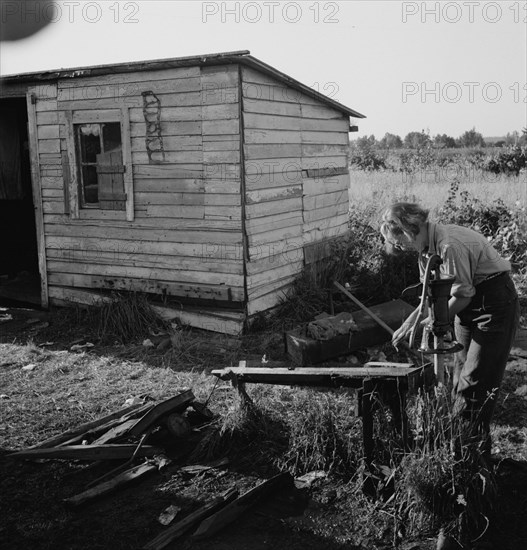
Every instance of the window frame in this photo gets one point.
(72, 118)
(82, 163)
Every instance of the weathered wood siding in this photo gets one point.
(202, 206)
(185, 236)
(290, 140)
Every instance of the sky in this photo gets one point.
(441, 67)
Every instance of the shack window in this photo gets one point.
(100, 163)
(97, 164)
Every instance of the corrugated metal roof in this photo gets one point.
(242, 56)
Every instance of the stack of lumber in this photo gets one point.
(119, 436)
(92, 440)
(122, 436)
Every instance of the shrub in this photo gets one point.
(359, 259)
(368, 160)
(504, 227)
(420, 159)
(510, 161)
(476, 158)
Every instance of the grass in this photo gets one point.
(376, 190)
(293, 429)
(126, 318)
(439, 484)
(65, 389)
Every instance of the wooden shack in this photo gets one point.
(208, 181)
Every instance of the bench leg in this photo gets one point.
(397, 403)
(245, 400)
(367, 419)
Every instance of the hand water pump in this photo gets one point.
(435, 294)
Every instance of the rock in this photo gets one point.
(133, 401)
(30, 367)
(306, 480)
(167, 515)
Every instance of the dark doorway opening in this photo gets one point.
(19, 272)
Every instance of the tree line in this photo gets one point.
(422, 139)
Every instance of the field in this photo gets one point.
(431, 187)
(289, 430)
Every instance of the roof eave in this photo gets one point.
(240, 56)
(151, 65)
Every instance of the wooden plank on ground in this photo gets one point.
(89, 452)
(88, 435)
(106, 487)
(174, 404)
(181, 527)
(87, 427)
(221, 321)
(232, 511)
(114, 433)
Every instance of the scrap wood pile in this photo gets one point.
(125, 436)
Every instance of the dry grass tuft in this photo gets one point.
(251, 436)
(126, 318)
(292, 429)
(324, 434)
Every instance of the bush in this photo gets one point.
(368, 160)
(504, 227)
(420, 159)
(359, 259)
(476, 158)
(511, 161)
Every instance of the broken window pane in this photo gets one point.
(111, 137)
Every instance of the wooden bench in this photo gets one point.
(389, 382)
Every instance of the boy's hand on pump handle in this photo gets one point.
(403, 332)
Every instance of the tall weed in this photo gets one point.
(444, 481)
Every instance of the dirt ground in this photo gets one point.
(326, 516)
